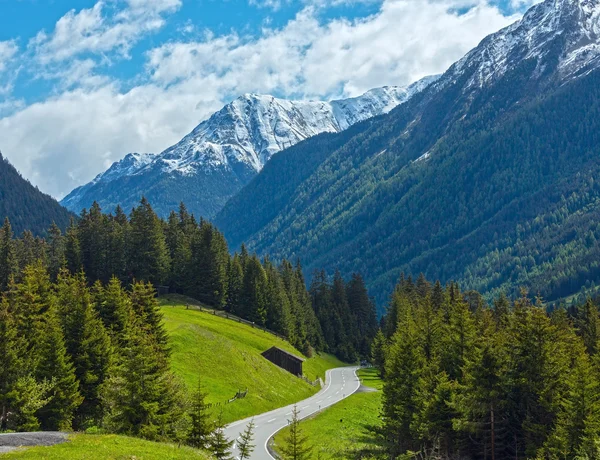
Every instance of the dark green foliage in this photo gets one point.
(55, 366)
(148, 251)
(218, 444)
(201, 425)
(346, 315)
(8, 257)
(463, 381)
(87, 341)
(508, 196)
(25, 206)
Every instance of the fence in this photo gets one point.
(226, 315)
(239, 395)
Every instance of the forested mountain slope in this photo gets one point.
(487, 177)
(25, 206)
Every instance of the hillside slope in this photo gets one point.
(226, 356)
(486, 177)
(25, 206)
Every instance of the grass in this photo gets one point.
(226, 355)
(343, 428)
(107, 447)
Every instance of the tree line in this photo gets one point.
(462, 380)
(192, 257)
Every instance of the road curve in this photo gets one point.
(340, 383)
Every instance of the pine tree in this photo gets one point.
(12, 365)
(146, 308)
(219, 445)
(87, 341)
(296, 443)
(8, 257)
(378, 351)
(235, 280)
(114, 307)
(149, 254)
(56, 366)
(73, 249)
(245, 445)
(141, 396)
(588, 325)
(201, 426)
(56, 251)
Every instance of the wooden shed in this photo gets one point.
(285, 360)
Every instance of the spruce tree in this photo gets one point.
(55, 366)
(148, 248)
(201, 425)
(12, 364)
(146, 308)
(87, 341)
(56, 251)
(219, 445)
(296, 443)
(8, 257)
(245, 445)
(73, 248)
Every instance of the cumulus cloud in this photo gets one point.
(66, 140)
(100, 29)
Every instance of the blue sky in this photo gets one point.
(84, 82)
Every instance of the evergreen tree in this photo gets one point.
(8, 257)
(141, 397)
(235, 280)
(55, 366)
(12, 365)
(87, 342)
(146, 308)
(149, 254)
(56, 251)
(201, 426)
(245, 445)
(296, 443)
(219, 445)
(73, 249)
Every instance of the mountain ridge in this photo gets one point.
(232, 145)
(443, 171)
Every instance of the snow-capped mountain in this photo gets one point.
(230, 147)
(493, 163)
(561, 35)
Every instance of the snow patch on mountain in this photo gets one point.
(247, 132)
(568, 28)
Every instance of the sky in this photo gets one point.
(84, 82)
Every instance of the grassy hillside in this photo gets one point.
(107, 447)
(227, 357)
(343, 428)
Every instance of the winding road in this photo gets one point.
(340, 383)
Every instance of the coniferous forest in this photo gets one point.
(82, 342)
(471, 381)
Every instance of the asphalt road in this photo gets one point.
(340, 383)
(12, 441)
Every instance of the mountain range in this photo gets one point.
(26, 207)
(489, 176)
(224, 152)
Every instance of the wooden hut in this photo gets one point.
(285, 360)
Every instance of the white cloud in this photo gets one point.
(8, 50)
(66, 140)
(101, 30)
